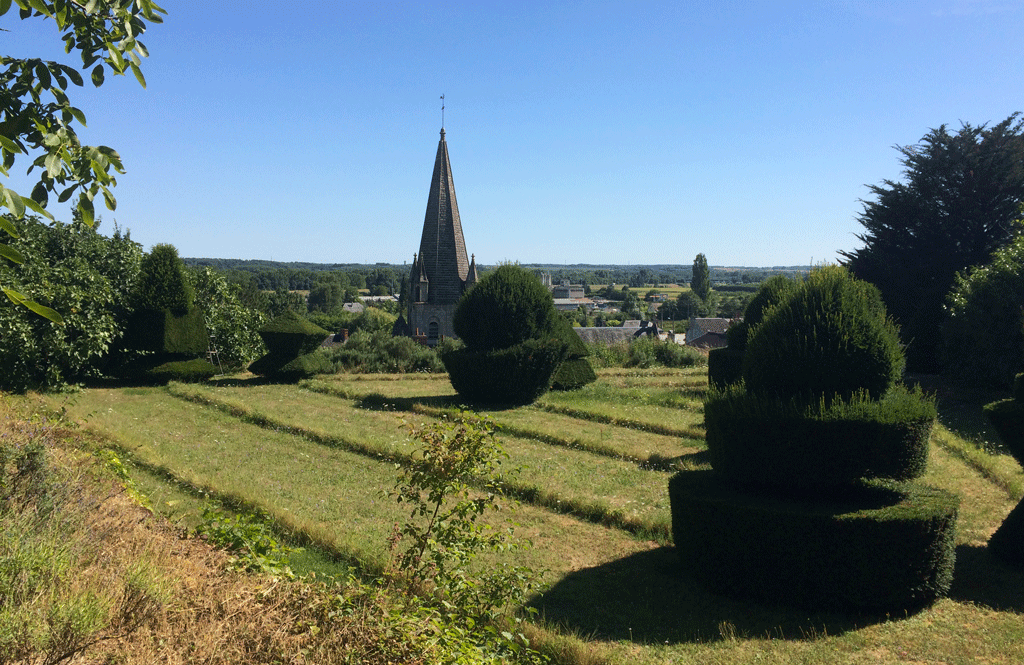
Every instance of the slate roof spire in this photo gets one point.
(442, 256)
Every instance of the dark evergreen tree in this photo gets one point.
(701, 280)
(960, 201)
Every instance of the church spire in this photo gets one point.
(442, 255)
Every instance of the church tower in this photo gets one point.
(441, 270)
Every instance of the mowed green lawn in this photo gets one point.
(594, 465)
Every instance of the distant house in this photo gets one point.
(710, 340)
(572, 304)
(353, 307)
(700, 327)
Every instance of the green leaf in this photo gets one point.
(11, 254)
(38, 209)
(43, 76)
(138, 74)
(14, 203)
(116, 59)
(66, 194)
(87, 210)
(41, 310)
(79, 116)
(40, 6)
(109, 199)
(97, 76)
(39, 195)
(73, 74)
(5, 5)
(54, 165)
(6, 143)
(8, 226)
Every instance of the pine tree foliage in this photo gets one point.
(959, 201)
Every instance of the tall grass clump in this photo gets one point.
(51, 608)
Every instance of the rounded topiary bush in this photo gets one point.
(508, 306)
(829, 337)
(514, 340)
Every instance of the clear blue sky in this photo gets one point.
(598, 132)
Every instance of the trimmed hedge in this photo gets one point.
(1007, 416)
(790, 446)
(881, 546)
(725, 366)
(516, 375)
(161, 331)
(290, 368)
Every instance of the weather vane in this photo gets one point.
(442, 111)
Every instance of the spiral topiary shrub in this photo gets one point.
(787, 513)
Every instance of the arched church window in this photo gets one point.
(433, 331)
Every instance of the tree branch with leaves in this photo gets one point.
(38, 120)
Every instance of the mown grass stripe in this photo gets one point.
(655, 462)
(589, 511)
(629, 423)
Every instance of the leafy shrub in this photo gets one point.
(379, 352)
(880, 546)
(516, 375)
(983, 334)
(508, 306)
(370, 320)
(88, 279)
(455, 479)
(645, 352)
(250, 538)
(829, 337)
(234, 327)
(792, 447)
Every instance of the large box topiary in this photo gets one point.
(163, 332)
(294, 352)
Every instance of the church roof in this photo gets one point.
(442, 255)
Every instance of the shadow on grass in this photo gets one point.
(379, 402)
(960, 408)
(647, 598)
(985, 580)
